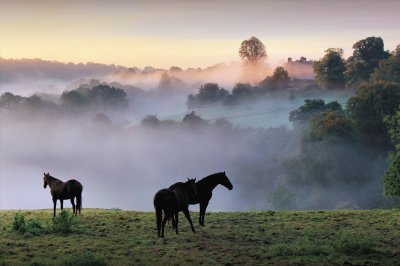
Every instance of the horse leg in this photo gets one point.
(187, 214)
(203, 207)
(163, 224)
(78, 203)
(176, 222)
(54, 206)
(158, 220)
(73, 205)
(62, 204)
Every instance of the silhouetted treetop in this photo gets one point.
(366, 56)
(329, 71)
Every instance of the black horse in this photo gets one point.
(64, 190)
(172, 201)
(204, 187)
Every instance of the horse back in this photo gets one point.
(165, 199)
(74, 185)
(67, 190)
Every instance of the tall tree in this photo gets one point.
(389, 69)
(329, 71)
(278, 81)
(366, 56)
(368, 108)
(391, 179)
(252, 51)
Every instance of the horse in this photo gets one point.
(64, 190)
(204, 187)
(172, 201)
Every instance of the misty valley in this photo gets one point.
(287, 142)
(199, 132)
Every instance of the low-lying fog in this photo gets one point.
(123, 162)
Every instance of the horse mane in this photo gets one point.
(209, 178)
(52, 177)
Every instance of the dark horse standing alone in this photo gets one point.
(64, 190)
(172, 201)
(204, 188)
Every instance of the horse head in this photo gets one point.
(45, 179)
(225, 181)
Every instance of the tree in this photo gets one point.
(252, 51)
(329, 71)
(366, 56)
(192, 119)
(151, 121)
(209, 93)
(9, 100)
(278, 81)
(391, 179)
(368, 108)
(331, 126)
(389, 69)
(310, 108)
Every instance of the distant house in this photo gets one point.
(300, 69)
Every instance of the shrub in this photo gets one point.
(353, 244)
(29, 226)
(84, 259)
(65, 223)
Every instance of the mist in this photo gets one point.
(97, 131)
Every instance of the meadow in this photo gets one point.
(119, 237)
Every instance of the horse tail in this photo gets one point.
(79, 202)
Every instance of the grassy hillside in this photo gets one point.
(118, 237)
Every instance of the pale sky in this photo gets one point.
(189, 33)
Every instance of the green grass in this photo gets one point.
(116, 237)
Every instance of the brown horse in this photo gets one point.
(172, 201)
(204, 189)
(64, 190)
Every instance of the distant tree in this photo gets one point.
(278, 81)
(391, 178)
(150, 121)
(242, 90)
(252, 51)
(366, 56)
(103, 94)
(169, 83)
(193, 119)
(9, 100)
(329, 71)
(311, 107)
(331, 126)
(73, 98)
(209, 93)
(389, 69)
(368, 108)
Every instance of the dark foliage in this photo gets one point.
(366, 56)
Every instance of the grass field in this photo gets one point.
(116, 237)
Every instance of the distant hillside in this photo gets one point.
(17, 70)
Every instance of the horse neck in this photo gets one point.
(212, 181)
(51, 180)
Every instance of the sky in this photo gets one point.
(189, 33)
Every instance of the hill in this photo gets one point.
(116, 237)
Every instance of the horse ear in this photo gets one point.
(194, 179)
(48, 173)
(188, 179)
(44, 173)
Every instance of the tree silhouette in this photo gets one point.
(252, 51)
